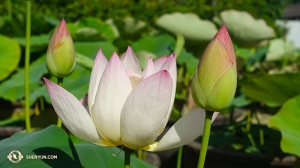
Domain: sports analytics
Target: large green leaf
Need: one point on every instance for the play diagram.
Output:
(54, 141)
(90, 49)
(50, 141)
(244, 29)
(272, 89)
(159, 45)
(13, 88)
(287, 122)
(10, 53)
(189, 25)
(91, 155)
(91, 29)
(37, 43)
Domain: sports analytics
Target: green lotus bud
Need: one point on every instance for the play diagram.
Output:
(60, 58)
(214, 83)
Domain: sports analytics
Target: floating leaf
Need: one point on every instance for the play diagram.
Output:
(10, 53)
(244, 29)
(189, 25)
(287, 122)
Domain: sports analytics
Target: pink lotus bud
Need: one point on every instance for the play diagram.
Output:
(61, 59)
(214, 84)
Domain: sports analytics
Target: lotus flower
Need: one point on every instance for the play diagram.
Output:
(60, 58)
(127, 106)
(214, 84)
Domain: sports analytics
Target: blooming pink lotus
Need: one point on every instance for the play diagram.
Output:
(127, 106)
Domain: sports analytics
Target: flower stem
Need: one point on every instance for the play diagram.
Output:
(179, 157)
(27, 61)
(179, 44)
(205, 138)
(127, 157)
(60, 83)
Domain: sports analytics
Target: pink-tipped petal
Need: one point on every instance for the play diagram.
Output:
(72, 113)
(112, 92)
(170, 66)
(149, 70)
(159, 62)
(59, 33)
(130, 61)
(145, 111)
(97, 71)
(185, 130)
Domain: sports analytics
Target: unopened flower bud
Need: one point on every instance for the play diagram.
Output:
(60, 58)
(215, 80)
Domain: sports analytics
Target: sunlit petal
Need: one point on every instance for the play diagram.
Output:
(112, 92)
(159, 62)
(149, 70)
(185, 130)
(130, 61)
(97, 71)
(72, 113)
(145, 110)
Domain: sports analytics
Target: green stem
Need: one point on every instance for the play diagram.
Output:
(179, 44)
(205, 138)
(27, 61)
(179, 157)
(60, 83)
(127, 157)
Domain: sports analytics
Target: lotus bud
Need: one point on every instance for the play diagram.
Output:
(215, 80)
(60, 58)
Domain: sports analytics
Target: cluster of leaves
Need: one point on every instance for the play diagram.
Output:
(105, 9)
(263, 69)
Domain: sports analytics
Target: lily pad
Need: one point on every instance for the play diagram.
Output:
(244, 29)
(189, 25)
(10, 54)
(287, 122)
(280, 48)
(272, 89)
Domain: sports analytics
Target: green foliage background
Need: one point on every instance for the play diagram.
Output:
(147, 10)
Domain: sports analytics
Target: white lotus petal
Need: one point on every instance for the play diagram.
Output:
(149, 70)
(185, 130)
(72, 113)
(97, 71)
(145, 110)
(130, 61)
(112, 92)
(170, 66)
(159, 62)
